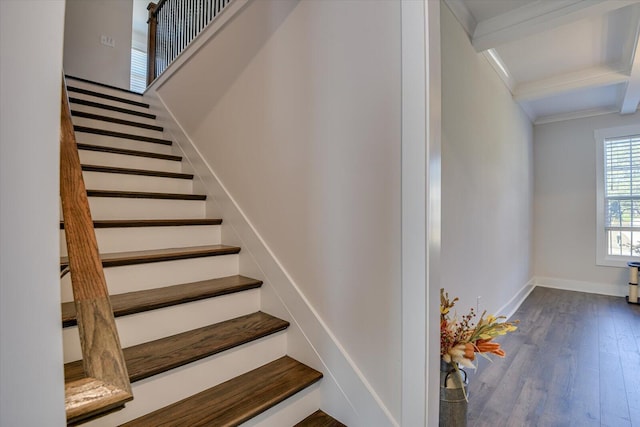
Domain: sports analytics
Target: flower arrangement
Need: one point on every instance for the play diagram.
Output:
(460, 339)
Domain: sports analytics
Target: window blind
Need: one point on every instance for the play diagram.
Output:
(138, 70)
(622, 195)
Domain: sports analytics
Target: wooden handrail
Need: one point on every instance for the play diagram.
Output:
(106, 385)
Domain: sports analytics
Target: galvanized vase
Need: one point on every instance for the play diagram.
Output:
(453, 393)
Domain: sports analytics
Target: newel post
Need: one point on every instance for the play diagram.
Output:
(151, 43)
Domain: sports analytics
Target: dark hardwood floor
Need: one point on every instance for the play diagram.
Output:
(574, 361)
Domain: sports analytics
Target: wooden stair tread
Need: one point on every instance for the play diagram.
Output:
(100, 117)
(121, 135)
(127, 152)
(144, 195)
(105, 96)
(67, 76)
(152, 358)
(140, 301)
(237, 400)
(319, 419)
(140, 172)
(128, 223)
(159, 255)
(111, 108)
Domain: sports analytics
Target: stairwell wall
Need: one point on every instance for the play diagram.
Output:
(302, 128)
(31, 374)
(86, 21)
(487, 181)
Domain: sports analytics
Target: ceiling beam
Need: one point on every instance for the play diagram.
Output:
(593, 77)
(537, 17)
(632, 95)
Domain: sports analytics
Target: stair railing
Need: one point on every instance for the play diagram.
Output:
(106, 385)
(173, 24)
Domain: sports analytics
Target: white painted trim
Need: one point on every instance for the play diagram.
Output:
(516, 301)
(613, 289)
(414, 215)
(602, 258)
(434, 198)
(632, 93)
(575, 115)
(341, 373)
(463, 15)
(590, 78)
(500, 68)
(536, 17)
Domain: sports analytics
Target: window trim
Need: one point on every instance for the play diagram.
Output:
(602, 258)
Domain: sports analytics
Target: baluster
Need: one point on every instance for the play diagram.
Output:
(187, 22)
(182, 8)
(198, 16)
(203, 15)
(179, 28)
(193, 20)
(170, 30)
(165, 34)
(175, 31)
(177, 23)
(159, 42)
(170, 33)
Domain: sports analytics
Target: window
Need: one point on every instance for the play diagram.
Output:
(618, 195)
(138, 70)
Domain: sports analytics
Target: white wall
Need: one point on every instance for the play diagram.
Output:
(31, 376)
(84, 56)
(302, 125)
(565, 206)
(487, 179)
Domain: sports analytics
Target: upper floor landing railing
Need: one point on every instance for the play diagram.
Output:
(173, 24)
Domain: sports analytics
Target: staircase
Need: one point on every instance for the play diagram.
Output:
(198, 350)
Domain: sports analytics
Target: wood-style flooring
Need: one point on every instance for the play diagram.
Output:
(574, 361)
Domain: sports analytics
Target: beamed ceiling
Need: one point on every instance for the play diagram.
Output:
(560, 59)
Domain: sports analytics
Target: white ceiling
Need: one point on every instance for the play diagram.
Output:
(560, 59)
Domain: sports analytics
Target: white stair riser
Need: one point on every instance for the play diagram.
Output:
(88, 157)
(291, 411)
(127, 144)
(138, 277)
(126, 208)
(155, 324)
(162, 390)
(146, 238)
(127, 182)
(101, 100)
(111, 113)
(101, 89)
(116, 127)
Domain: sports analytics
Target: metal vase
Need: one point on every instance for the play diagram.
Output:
(453, 393)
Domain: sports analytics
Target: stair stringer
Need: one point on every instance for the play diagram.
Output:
(345, 391)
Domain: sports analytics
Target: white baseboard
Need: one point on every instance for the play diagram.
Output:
(346, 393)
(618, 290)
(514, 303)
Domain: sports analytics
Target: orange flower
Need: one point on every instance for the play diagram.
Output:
(469, 351)
(486, 346)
